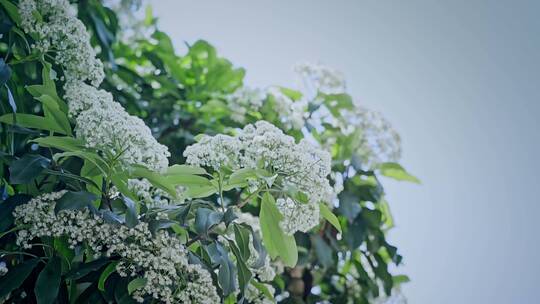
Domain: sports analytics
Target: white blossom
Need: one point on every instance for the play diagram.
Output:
(316, 78)
(379, 142)
(297, 217)
(292, 113)
(104, 124)
(244, 100)
(159, 258)
(301, 165)
(100, 121)
(59, 31)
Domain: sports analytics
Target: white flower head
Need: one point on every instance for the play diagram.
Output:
(301, 165)
(60, 31)
(316, 78)
(160, 259)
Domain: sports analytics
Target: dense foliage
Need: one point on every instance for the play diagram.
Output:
(133, 174)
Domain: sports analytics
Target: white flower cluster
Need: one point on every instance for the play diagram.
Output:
(101, 122)
(131, 19)
(58, 30)
(292, 113)
(104, 124)
(301, 165)
(244, 100)
(159, 259)
(379, 142)
(297, 217)
(316, 78)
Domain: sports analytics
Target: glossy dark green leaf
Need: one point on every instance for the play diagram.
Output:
(324, 252)
(16, 276)
(12, 11)
(85, 268)
(7, 207)
(205, 219)
(244, 274)
(48, 281)
(5, 72)
(242, 237)
(105, 274)
(27, 168)
(227, 271)
(75, 201)
(229, 216)
(131, 215)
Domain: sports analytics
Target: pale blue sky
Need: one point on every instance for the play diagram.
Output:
(459, 80)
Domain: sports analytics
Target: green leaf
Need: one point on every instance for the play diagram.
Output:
(188, 180)
(120, 181)
(229, 216)
(329, 216)
(292, 94)
(32, 121)
(75, 201)
(48, 282)
(86, 268)
(185, 169)
(277, 243)
(227, 270)
(27, 168)
(131, 212)
(244, 275)
(397, 172)
(241, 235)
(52, 111)
(263, 289)
(63, 143)
(200, 191)
(400, 279)
(157, 180)
(136, 284)
(105, 274)
(6, 210)
(206, 219)
(5, 72)
(16, 276)
(323, 251)
(240, 177)
(12, 11)
(91, 157)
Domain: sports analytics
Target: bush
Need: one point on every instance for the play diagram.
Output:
(132, 173)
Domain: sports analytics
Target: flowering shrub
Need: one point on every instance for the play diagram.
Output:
(133, 174)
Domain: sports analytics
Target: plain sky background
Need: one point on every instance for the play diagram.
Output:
(459, 80)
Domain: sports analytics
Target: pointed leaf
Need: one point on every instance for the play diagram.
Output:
(48, 281)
